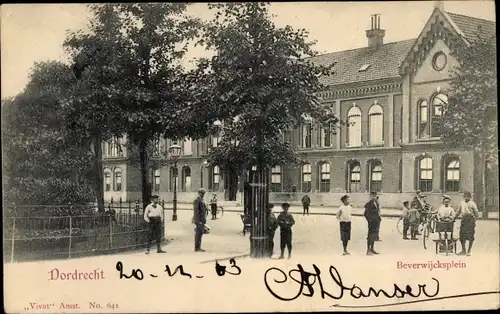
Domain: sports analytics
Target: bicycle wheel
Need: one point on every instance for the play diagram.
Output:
(400, 225)
(425, 236)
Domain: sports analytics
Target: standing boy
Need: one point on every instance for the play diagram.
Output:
(406, 219)
(153, 214)
(271, 229)
(285, 221)
(306, 201)
(469, 212)
(344, 216)
(213, 206)
(372, 215)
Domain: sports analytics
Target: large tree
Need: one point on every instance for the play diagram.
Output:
(141, 74)
(94, 105)
(470, 116)
(263, 84)
(42, 164)
(263, 77)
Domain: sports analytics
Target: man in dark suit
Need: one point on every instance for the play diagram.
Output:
(199, 219)
(372, 215)
(419, 200)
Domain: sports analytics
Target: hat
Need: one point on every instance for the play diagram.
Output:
(467, 194)
(201, 191)
(269, 206)
(445, 197)
(154, 197)
(418, 191)
(285, 205)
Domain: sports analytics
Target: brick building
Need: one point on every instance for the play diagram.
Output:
(393, 95)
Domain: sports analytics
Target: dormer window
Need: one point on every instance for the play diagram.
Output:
(364, 67)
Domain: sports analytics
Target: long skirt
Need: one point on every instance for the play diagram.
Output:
(467, 228)
(345, 231)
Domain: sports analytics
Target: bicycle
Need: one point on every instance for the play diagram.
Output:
(427, 226)
(220, 211)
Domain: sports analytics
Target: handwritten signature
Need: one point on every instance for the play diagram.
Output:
(307, 280)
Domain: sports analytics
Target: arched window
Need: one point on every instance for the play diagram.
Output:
(325, 137)
(276, 185)
(216, 140)
(215, 178)
(186, 179)
(375, 181)
(155, 182)
(423, 119)
(438, 103)
(118, 179)
(376, 125)
(354, 127)
(452, 175)
(107, 179)
(174, 178)
(188, 146)
(306, 178)
(113, 148)
(354, 177)
(157, 146)
(307, 135)
(425, 174)
(324, 177)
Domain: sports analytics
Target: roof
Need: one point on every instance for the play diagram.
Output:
(471, 26)
(384, 62)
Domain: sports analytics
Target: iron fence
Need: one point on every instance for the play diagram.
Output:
(52, 237)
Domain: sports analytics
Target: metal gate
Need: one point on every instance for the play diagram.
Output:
(256, 198)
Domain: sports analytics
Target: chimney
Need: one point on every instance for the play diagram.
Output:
(375, 35)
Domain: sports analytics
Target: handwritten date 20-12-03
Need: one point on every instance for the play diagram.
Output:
(138, 274)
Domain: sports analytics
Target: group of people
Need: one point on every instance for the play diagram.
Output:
(415, 213)
(372, 216)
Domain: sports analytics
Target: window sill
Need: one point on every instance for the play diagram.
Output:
(375, 145)
(430, 139)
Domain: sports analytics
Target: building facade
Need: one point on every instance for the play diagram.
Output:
(391, 94)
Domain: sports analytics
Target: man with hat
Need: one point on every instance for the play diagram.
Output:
(153, 214)
(199, 219)
(285, 221)
(372, 215)
(272, 225)
(469, 212)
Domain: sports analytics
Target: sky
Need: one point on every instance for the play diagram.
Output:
(35, 32)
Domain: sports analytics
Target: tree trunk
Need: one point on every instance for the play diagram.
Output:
(98, 179)
(143, 160)
(482, 167)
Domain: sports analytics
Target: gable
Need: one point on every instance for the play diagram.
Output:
(438, 64)
(438, 27)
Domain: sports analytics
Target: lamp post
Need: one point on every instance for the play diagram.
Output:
(175, 151)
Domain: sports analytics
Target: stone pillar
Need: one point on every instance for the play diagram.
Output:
(364, 176)
(436, 173)
(314, 177)
(405, 138)
(390, 115)
(337, 136)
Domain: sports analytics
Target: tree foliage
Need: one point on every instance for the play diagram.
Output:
(42, 163)
(132, 64)
(262, 75)
(470, 117)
